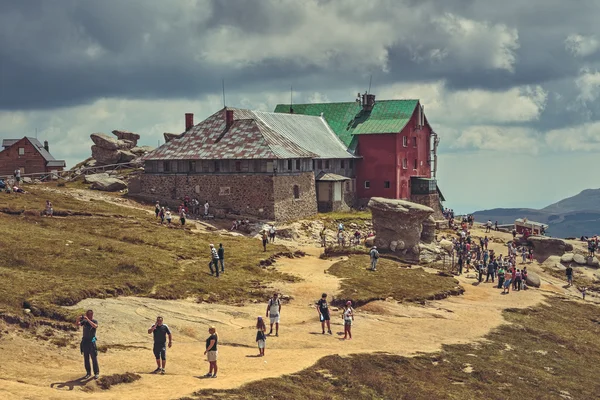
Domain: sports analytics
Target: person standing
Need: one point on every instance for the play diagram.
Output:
(273, 313)
(348, 317)
(168, 216)
(18, 176)
(157, 209)
(324, 317)
(182, 216)
(265, 239)
(374, 254)
(49, 209)
(160, 332)
(221, 254)
(272, 233)
(88, 343)
(323, 238)
(214, 260)
(569, 272)
(261, 338)
(211, 352)
(490, 272)
(206, 209)
(161, 215)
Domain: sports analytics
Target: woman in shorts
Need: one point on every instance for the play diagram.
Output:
(211, 352)
(348, 317)
(507, 282)
(261, 338)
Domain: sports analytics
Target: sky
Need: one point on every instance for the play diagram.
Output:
(512, 88)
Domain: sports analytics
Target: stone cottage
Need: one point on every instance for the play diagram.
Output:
(253, 163)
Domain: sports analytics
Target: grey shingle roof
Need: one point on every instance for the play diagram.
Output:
(9, 142)
(254, 135)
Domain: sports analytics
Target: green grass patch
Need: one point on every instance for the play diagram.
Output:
(547, 352)
(346, 217)
(46, 263)
(391, 279)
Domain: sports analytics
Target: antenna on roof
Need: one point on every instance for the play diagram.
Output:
(291, 99)
(36, 133)
(223, 84)
(370, 80)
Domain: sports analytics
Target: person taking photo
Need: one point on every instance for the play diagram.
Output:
(160, 332)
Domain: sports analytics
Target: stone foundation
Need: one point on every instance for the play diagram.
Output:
(430, 200)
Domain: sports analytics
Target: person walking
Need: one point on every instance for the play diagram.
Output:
(501, 273)
(214, 260)
(211, 352)
(273, 313)
(157, 209)
(182, 216)
(168, 216)
(221, 254)
(261, 338)
(348, 317)
(160, 332)
(272, 233)
(324, 317)
(265, 239)
(569, 272)
(88, 343)
(507, 282)
(206, 206)
(374, 254)
(161, 215)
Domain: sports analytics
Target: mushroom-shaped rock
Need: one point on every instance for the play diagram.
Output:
(399, 221)
(126, 135)
(104, 141)
(428, 233)
(104, 156)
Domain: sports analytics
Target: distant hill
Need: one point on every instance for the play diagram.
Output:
(571, 217)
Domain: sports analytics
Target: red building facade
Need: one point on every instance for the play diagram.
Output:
(28, 155)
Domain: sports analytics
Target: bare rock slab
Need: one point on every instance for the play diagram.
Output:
(126, 135)
(109, 185)
(104, 141)
(399, 222)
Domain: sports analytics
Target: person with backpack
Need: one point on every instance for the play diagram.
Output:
(273, 312)
(374, 254)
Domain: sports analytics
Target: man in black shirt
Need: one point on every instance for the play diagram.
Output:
(323, 309)
(221, 253)
(88, 342)
(160, 331)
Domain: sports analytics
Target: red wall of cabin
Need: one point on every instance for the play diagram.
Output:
(32, 161)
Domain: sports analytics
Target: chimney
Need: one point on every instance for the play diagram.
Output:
(368, 101)
(46, 146)
(228, 119)
(189, 121)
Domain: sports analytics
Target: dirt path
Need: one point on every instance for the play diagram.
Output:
(35, 369)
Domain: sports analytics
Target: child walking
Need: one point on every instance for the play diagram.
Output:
(261, 338)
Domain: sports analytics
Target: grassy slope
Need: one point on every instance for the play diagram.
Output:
(391, 280)
(48, 262)
(545, 350)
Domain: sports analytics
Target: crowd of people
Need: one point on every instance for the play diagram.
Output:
(161, 333)
(188, 208)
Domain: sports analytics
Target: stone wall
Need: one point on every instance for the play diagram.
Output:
(430, 200)
(264, 196)
(286, 206)
(226, 193)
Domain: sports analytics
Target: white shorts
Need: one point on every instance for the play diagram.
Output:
(261, 344)
(274, 319)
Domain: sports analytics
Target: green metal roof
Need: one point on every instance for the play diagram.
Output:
(349, 119)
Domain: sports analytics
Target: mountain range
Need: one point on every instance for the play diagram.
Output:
(571, 217)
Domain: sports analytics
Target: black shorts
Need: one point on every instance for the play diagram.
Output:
(325, 316)
(160, 351)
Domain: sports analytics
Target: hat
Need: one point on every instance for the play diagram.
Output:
(348, 303)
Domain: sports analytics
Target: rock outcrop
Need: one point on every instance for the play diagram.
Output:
(544, 247)
(533, 279)
(579, 259)
(122, 149)
(399, 225)
(92, 178)
(428, 233)
(109, 185)
(566, 258)
(593, 262)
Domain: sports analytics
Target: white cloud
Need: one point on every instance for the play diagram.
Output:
(582, 46)
(498, 139)
(578, 138)
(588, 83)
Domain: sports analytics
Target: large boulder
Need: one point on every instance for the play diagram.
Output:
(447, 245)
(428, 233)
(104, 141)
(593, 262)
(126, 156)
(140, 150)
(109, 185)
(104, 156)
(533, 279)
(95, 177)
(125, 144)
(126, 135)
(399, 221)
(566, 258)
(429, 252)
(579, 259)
(544, 247)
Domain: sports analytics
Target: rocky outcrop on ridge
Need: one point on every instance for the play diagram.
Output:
(121, 149)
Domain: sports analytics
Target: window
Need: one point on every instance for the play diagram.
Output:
(217, 166)
(320, 164)
(342, 164)
(386, 184)
(367, 184)
(404, 163)
(238, 166)
(351, 164)
(289, 165)
(404, 141)
(166, 166)
(298, 165)
(296, 191)
(192, 166)
(326, 164)
(314, 164)
(21, 151)
(414, 141)
(415, 164)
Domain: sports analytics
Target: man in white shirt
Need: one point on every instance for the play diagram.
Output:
(273, 312)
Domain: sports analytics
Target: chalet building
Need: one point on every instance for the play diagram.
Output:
(28, 155)
(396, 146)
(270, 165)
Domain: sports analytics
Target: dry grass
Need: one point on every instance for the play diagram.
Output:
(391, 279)
(105, 382)
(46, 263)
(547, 352)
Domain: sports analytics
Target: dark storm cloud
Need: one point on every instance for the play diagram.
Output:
(55, 54)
